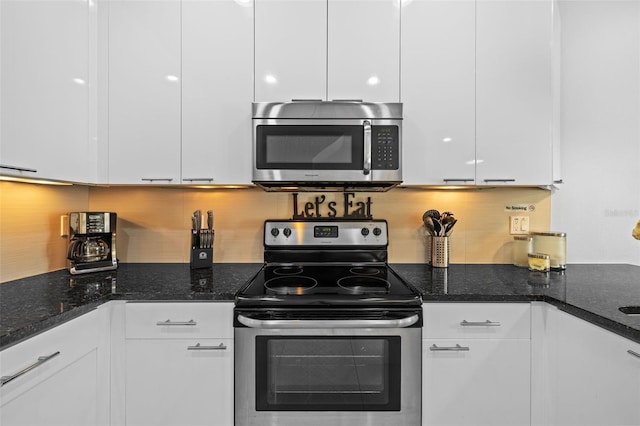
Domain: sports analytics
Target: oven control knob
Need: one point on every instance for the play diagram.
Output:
(275, 232)
(377, 231)
(287, 232)
(364, 232)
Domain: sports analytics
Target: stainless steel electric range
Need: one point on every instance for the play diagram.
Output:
(326, 332)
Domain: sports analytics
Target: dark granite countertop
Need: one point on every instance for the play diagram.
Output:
(593, 292)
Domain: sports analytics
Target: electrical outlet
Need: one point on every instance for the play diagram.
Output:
(518, 225)
(64, 225)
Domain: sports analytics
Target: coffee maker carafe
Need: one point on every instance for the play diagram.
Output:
(92, 242)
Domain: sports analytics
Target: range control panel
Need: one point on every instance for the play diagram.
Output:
(292, 233)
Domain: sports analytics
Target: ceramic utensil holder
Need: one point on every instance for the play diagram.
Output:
(439, 252)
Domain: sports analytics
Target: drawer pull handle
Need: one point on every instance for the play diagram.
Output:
(157, 180)
(198, 347)
(456, 348)
(41, 360)
(486, 323)
(179, 323)
(633, 353)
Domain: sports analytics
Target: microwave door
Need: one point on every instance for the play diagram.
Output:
(314, 152)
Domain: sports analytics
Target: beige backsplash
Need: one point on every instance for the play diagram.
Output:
(154, 223)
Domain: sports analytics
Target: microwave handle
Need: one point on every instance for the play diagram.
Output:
(367, 147)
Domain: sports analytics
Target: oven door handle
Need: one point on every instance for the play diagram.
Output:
(395, 323)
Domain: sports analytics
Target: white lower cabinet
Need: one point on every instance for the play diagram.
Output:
(68, 383)
(593, 376)
(476, 364)
(178, 364)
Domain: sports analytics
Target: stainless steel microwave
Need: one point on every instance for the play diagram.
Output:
(318, 145)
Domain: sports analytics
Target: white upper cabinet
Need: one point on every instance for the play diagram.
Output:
(327, 50)
(144, 91)
(217, 90)
(477, 89)
(45, 84)
(514, 97)
(438, 92)
(290, 50)
(364, 50)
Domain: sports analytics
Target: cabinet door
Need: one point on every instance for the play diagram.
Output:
(514, 104)
(438, 92)
(144, 91)
(364, 50)
(45, 83)
(169, 384)
(597, 379)
(217, 80)
(69, 384)
(488, 384)
(290, 50)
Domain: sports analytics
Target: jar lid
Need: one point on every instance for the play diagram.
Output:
(538, 256)
(522, 238)
(550, 234)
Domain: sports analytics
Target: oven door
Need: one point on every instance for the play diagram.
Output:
(353, 372)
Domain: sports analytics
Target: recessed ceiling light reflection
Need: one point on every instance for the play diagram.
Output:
(476, 161)
(373, 80)
(270, 79)
(79, 81)
(446, 140)
(171, 78)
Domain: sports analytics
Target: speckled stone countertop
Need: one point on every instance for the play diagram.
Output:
(593, 292)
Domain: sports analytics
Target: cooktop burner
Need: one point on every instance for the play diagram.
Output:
(364, 270)
(364, 285)
(295, 285)
(287, 270)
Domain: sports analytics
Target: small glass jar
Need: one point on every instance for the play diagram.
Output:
(554, 244)
(538, 262)
(521, 248)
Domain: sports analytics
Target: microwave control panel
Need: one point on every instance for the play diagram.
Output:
(385, 152)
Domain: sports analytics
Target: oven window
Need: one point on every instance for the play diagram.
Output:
(330, 147)
(311, 373)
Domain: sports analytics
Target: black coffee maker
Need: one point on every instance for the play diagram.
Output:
(92, 242)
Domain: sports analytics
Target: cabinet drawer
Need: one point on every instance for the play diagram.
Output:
(179, 320)
(477, 320)
(39, 358)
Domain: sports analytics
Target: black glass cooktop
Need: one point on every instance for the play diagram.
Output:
(327, 284)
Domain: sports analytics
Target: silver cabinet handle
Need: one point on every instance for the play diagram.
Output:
(486, 323)
(198, 179)
(367, 147)
(399, 323)
(456, 348)
(41, 360)
(157, 179)
(20, 169)
(199, 347)
(633, 353)
(499, 180)
(179, 323)
(447, 180)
